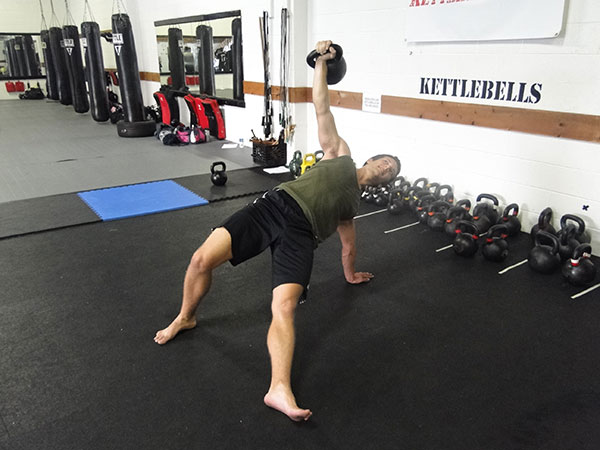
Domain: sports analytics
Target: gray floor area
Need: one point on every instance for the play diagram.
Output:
(48, 149)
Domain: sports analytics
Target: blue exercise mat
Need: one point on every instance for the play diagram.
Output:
(140, 199)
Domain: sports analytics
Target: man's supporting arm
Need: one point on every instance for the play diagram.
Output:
(347, 234)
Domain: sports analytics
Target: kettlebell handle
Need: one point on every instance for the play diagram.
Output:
(547, 237)
(545, 217)
(464, 203)
(579, 251)
(311, 59)
(512, 207)
(578, 220)
(215, 164)
(497, 231)
(491, 197)
(464, 226)
(421, 180)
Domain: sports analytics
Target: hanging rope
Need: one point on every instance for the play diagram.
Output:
(44, 25)
(68, 17)
(87, 9)
(119, 3)
(53, 20)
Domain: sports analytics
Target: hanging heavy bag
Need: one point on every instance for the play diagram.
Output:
(60, 65)
(94, 71)
(579, 270)
(134, 124)
(72, 50)
(544, 258)
(495, 247)
(49, 64)
(336, 67)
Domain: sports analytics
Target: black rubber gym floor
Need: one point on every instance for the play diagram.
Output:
(436, 352)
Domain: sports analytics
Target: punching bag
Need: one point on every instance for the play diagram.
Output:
(127, 68)
(176, 64)
(75, 71)
(134, 124)
(206, 69)
(12, 59)
(236, 56)
(31, 62)
(94, 71)
(49, 64)
(20, 56)
(60, 65)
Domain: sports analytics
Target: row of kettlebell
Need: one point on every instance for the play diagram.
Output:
(300, 164)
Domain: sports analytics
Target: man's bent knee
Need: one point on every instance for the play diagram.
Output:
(215, 251)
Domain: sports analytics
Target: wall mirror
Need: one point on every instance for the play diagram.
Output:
(21, 56)
(204, 54)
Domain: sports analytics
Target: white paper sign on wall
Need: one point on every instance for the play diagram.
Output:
(371, 103)
(479, 20)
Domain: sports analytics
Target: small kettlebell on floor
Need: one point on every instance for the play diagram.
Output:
(219, 176)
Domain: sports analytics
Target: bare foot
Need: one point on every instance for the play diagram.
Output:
(283, 400)
(164, 336)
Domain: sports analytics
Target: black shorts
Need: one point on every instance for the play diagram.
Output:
(274, 220)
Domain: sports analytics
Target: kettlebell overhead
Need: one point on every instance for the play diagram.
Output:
(336, 67)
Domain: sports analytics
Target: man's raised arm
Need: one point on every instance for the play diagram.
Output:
(331, 143)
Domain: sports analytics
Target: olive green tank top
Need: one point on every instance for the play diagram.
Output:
(328, 193)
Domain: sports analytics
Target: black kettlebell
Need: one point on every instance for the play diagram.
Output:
(567, 242)
(296, 164)
(444, 192)
(495, 247)
(218, 177)
(466, 204)
(543, 224)
(423, 205)
(466, 239)
(437, 215)
(319, 155)
(510, 219)
(420, 183)
(580, 270)
(580, 234)
(453, 215)
(544, 258)
(336, 67)
(396, 198)
(485, 214)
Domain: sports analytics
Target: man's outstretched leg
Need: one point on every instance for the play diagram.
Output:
(214, 252)
(281, 340)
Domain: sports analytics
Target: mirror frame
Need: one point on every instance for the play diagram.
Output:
(204, 18)
(40, 56)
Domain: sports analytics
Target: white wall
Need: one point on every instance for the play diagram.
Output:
(534, 171)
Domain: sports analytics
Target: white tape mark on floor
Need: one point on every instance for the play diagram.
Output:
(443, 248)
(513, 266)
(402, 228)
(587, 291)
(370, 214)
